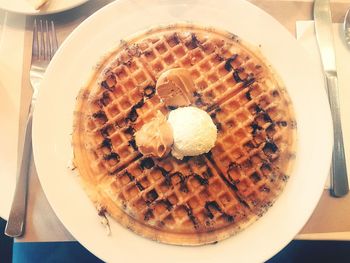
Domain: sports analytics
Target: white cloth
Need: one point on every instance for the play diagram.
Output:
(306, 36)
(12, 29)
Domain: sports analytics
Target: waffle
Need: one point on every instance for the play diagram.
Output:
(197, 200)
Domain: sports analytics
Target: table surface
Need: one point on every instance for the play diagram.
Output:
(331, 218)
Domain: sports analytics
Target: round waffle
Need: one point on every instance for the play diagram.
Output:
(197, 200)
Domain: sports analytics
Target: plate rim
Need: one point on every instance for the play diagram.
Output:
(46, 12)
(85, 23)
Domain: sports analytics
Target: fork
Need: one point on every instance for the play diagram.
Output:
(44, 47)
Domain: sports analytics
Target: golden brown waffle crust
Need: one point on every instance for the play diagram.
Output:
(227, 189)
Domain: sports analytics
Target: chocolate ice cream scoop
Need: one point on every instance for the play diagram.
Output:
(175, 87)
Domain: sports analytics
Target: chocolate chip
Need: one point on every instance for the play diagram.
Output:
(105, 98)
(194, 42)
(152, 195)
(104, 131)
(172, 107)
(139, 186)
(133, 115)
(147, 163)
(228, 65)
(282, 123)
(105, 85)
(112, 156)
(149, 91)
(255, 128)
(106, 143)
(139, 104)
(249, 81)
(130, 130)
(267, 117)
(255, 177)
(132, 143)
(101, 115)
(236, 76)
(248, 95)
(214, 205)
(148, 215)
(201, 180)
(191, 216)
(270, 147)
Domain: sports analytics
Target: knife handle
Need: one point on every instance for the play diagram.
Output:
(15, 223)
(339, 178)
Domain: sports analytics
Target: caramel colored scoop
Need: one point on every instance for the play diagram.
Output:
(175, 87)
(155, 138)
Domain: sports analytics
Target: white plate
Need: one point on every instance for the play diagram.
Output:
(70, 70)
(26, 6)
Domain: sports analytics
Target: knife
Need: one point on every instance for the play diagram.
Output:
(324, 35)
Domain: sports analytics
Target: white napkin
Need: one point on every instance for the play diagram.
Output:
(12, 29)
(306, 36)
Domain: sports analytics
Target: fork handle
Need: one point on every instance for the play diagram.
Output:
(339, 177)
(15, 223)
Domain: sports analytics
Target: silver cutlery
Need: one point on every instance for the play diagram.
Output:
(346, 25)
(324, 34)
(44, 47)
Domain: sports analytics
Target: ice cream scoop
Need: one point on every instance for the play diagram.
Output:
(155, 138)
(193, 130)
(175, 87)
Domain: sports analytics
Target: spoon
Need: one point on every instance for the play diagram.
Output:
(347, 27)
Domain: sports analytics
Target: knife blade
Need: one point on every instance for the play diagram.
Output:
(324, 35)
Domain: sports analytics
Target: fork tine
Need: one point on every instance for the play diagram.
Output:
(47, 41)
(35, 48)
(42, 50)
(54, 42)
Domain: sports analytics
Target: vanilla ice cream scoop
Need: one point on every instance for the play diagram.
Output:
(193, 130)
